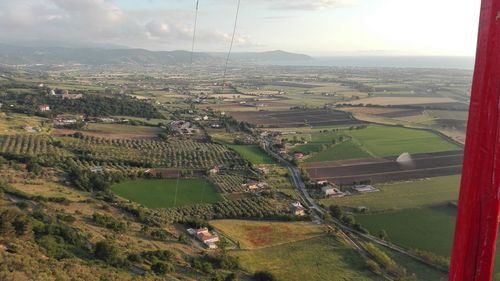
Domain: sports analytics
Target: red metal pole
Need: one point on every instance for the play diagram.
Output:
(479, 202)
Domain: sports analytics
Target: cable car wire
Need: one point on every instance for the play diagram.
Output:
(230, 46)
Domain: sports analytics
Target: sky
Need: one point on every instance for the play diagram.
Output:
(314, 27)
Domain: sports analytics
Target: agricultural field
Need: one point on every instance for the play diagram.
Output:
(403, 195)
(409, 100)
(342, 151)
(171, 154)
(11, 124)
(429, 228)
(252, 153)
(228, 183)
(387, 169)
(168, 192)
(384, 141)
(369, 141)
(321, 258)
(295, 118)
(261, 234)
(114, 131)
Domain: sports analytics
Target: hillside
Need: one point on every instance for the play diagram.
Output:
(18, 55)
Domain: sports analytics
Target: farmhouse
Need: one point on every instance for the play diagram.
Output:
(214, 170)
(297, 209)
(365, 188)
(330, 191)
(299, 155)
(44, 107)
(252, 186)
(183, 127)
(204, 235)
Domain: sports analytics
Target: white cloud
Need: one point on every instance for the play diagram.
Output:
(100, 22)
(307, 5)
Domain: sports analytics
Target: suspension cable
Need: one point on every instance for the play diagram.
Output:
(194, 31)
(230, 46)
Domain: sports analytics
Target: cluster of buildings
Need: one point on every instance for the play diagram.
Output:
(329, 190)
(184, 127)
(66, 120)
(254, 186)
(65, 95)
(205, 236)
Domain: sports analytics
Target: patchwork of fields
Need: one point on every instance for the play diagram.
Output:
(387, 169)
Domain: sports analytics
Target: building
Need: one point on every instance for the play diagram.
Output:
(330, 191)
(44, 107)
(299, 155)
(365, 188)
(297, 209)
(214, 171)
(204, 235)
(253, 186)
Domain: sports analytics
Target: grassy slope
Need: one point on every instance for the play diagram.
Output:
(404, 195)
(320, 258)
(253, 153)
(161, 193)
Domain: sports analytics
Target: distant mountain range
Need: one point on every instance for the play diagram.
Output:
(16, 55)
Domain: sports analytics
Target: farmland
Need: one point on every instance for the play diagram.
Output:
(261, 234)
(388, 169)
(295, 118)
(342, 151)
(390, 141)
(115, 131)
(252, 153)
(168, 193)
(322, 258)
(404, 195)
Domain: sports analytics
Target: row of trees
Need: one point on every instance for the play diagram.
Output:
(255, 207)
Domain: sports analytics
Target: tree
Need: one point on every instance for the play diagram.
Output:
(336, 211)
(106, 251)
(162, 268)
(264, 276)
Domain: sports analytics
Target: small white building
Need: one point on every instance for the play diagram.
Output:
(330, 191)
(44, 107)
(365, 188)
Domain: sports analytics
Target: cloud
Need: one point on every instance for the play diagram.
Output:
(101, 22)
(306, 5)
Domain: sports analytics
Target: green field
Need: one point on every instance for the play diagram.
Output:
(372, 141)
(320, 258)
(252, 153)
(429, 229)
(342, 151)
(404, 195)
(385, 141)
(162, 193)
